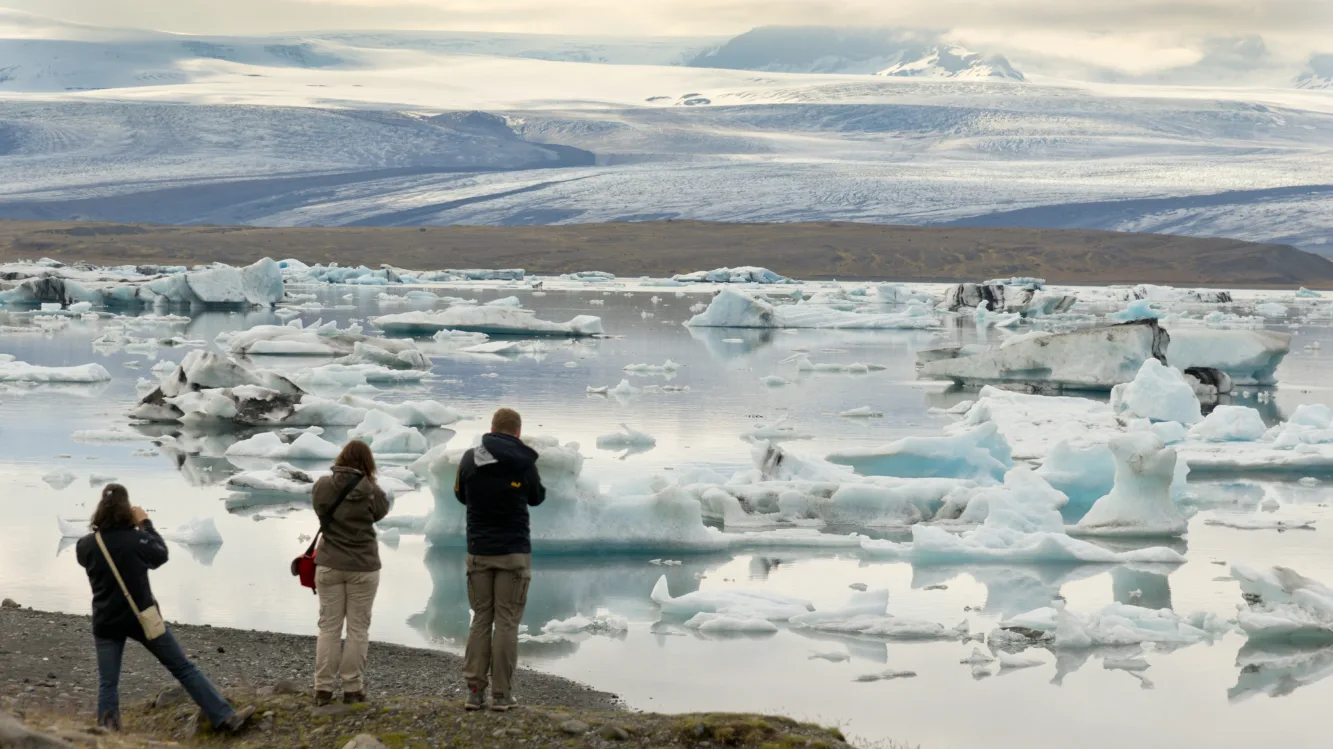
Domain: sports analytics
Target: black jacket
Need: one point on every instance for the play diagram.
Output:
(499, 482)
(136, 551)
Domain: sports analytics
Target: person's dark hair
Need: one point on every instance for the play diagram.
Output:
(356, 454)
(506, 421)
(114, 510)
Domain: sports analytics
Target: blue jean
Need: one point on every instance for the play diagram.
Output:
(169, 653)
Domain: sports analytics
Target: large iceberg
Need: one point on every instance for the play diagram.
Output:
(259, 284)
(732, 308)
(497, 321)
(1140, 502)
(1092, 359)
(1248, 357)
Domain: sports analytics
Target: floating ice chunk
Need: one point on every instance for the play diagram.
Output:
(489, 320)
(1140, 503)
(201, 531)
(626, 438)
(1125, 663)
(623, 390)
(1271, 309)
(17, 371)
(1017, 661)
(774, 381)
(59, 479)
(1120, 625)
(669, 366)
(1261, 523)
(1084, 473)
(1159, 393)
(754, 604)
(1230, 424)
(862, 412)
(864, 614)
(282, 478)
(97, 479)
(72, 528)
(1248, 357)
(832, 656)
(1304, 293)
(385, 434)
(600, 624)
(978, 658)
(732, 308)
(505, 347)
(744, 274)
(270, 446)
(705, 622)
(803, 364)
(980, 453)
(602, 390)
(78, 308)
(886, 676)
(1282, 604)
(1139, 309)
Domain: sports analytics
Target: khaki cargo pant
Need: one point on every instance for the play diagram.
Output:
(349, 597)
(497, 589)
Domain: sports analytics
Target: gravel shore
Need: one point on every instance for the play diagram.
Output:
(47, 660)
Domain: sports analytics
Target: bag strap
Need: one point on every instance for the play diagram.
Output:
(102, 545)
(324, 520)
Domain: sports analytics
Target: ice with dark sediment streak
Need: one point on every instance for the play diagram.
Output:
(495, 321)
(732, 308)
(1283, 605)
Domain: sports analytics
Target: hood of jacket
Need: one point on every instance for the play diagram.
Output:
(505, 450)
(343, 475)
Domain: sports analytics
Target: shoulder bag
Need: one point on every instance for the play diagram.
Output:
(303, 567)
(150, 618)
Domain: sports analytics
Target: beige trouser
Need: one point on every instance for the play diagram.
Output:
(343, 596)
(497, 589)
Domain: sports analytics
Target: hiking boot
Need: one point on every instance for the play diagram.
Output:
(503, 703)
(352, 698)
(323, 698)
(476, 700)
(236, 723)
(110, 721)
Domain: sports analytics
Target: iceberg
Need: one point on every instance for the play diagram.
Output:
(1281, 604)
(1248, 357)
(864, 614)
(755, 604)
(1092, 359)
(705, 622)
(626, 438)
(1119, 625)
(1158, 393)
(200, 531)
(496, 321)
(732, 308)
(1083, 472)
(980, 453)
(270, 446)
(385, 434)
(1230, 424)
(577, 515)
(17, 371)
(1139, 503)
(744, 274)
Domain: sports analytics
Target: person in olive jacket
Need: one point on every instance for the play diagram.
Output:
(347, 570)
(498, 481)
(135, 547)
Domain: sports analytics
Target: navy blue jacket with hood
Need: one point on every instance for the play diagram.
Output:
(498, 482)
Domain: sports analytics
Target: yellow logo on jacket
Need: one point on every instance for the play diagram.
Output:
(516, 484)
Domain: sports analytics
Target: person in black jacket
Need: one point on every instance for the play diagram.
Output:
(135, 546)
(498, 482)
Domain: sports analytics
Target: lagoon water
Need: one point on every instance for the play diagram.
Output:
(1202, 695)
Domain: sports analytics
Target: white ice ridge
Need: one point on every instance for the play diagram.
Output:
(1120, 625)
(732, 308)
(320, 339)
(260, 284)
(1140, 502)
(489, 320)
(751, 604)
(17, 371)
(864, 614)
(1281, 604)
(1022, 525)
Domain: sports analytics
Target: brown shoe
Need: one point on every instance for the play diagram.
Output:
(352, 698)
(236, 723)
(323, 698)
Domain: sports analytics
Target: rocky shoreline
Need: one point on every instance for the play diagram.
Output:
(48, 695)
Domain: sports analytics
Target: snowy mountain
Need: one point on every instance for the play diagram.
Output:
(1318, 75)
(892, 52)
(953, 61)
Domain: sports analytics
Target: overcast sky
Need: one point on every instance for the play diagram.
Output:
(1166, 30)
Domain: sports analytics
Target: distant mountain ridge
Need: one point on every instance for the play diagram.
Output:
(1318, 74)
(887, 52)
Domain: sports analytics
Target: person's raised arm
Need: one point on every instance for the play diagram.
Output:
(379, 503)
(536, 492)
(152, 549)
(460, 488)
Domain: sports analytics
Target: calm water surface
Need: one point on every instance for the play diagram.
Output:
(1195, 696)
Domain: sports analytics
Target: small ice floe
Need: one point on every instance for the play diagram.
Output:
(1013, 661)
(1283, 605)
(1118, 625)
(774, 381)
(1261, 523)
(832, 656)
(707, 622)
(96, 436)
(978, 658)
(59, 479)
(627, 438)
(72, 528)
(858, 586)
(864, 614)
(744, 604)
(863, 412)
(603, 624)
(885, 676)
(145, 453)
(1309, 481)
(598, 390)
(271, 447)
(98, 479)
(803, 364)
(486, 319)
(1134, 662)
(201, 531)
(12, 370)
(669, 366)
